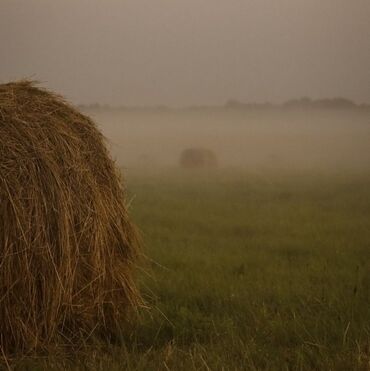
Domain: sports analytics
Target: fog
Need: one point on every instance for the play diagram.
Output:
(258, 140)
(172, 52)
(183, 53)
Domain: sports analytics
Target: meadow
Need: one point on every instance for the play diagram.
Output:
(247, 271)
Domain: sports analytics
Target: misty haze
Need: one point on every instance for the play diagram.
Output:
(262, 139)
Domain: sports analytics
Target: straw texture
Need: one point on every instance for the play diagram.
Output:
(67, 247)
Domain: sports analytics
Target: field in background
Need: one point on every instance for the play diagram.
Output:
(254, 271)
(255, 139)
(262, 264)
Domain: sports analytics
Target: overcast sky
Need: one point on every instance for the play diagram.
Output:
(181, 52)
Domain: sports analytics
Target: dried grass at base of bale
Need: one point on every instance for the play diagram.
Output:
(67, 247)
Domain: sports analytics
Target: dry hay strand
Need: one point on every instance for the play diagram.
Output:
(67, 247)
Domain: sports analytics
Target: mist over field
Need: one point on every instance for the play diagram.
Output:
(277, 139)
(202, 54)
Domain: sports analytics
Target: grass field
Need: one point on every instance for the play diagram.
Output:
(248, 272)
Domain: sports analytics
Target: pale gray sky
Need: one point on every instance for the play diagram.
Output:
(180, 52)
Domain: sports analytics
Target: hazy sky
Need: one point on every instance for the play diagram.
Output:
(181, 52)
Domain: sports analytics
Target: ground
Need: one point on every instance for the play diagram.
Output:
(247, 271)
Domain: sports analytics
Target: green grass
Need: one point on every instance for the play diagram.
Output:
(248, 272)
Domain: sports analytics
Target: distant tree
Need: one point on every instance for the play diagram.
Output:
(339, 103)
(233, 103)
(327, 103)
(304, 102)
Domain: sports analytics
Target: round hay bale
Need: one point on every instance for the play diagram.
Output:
(198, 158)
(67, 247)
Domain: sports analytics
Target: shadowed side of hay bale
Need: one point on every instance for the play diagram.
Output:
(198, 158)
(67, 247)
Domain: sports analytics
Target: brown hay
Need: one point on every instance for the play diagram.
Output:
(198, 158)
(67, 247)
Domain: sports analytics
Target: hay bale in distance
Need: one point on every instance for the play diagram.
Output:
(67, 247)
(198, 158)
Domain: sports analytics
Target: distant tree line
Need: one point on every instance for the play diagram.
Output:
(304, 103)
(301, 103)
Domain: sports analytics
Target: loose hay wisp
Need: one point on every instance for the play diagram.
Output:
(67, 247)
